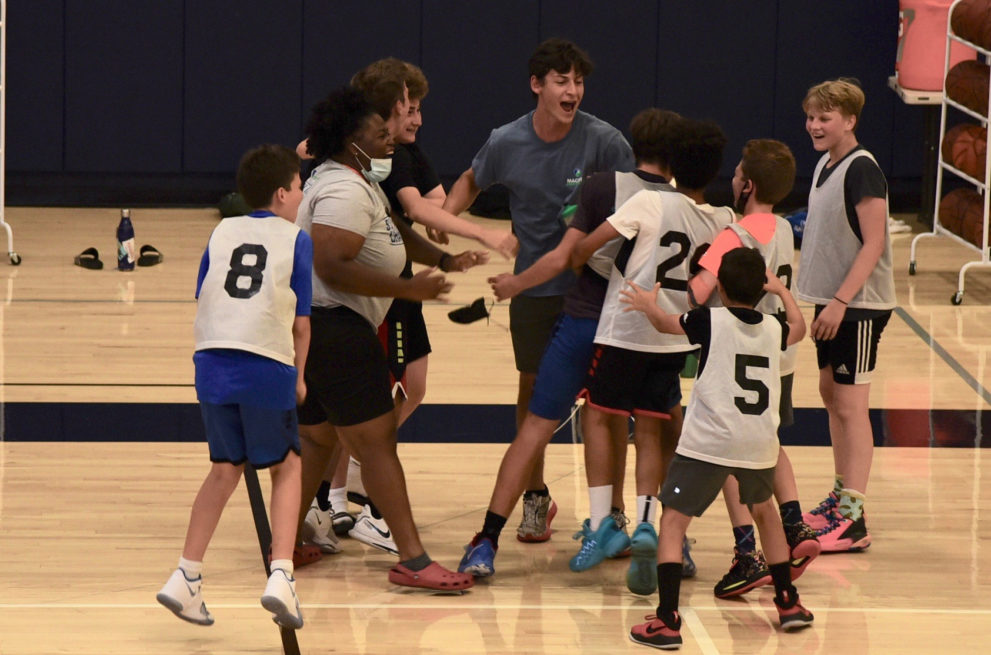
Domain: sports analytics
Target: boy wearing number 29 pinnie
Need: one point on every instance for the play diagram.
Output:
(252, 334)
(730, 428)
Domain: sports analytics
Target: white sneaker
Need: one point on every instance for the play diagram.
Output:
(896, 226)
(342, 522)
(374, 532)
(182, 597)
(280, 599)
(356, 488)
(318, 529)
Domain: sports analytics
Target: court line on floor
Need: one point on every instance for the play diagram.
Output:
(420, 606)
(934, 345)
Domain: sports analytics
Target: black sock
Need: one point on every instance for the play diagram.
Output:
(492, 527)
(668, 588)
(744, 538)
(791, 512)
(784, 591)
(322, 496)
(545, 492)
(374, 510)
(417, 563)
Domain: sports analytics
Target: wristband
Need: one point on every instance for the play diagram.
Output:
(840, 301)
(445, 258)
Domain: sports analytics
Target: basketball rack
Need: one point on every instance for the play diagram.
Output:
(15, 259)
(981, 185)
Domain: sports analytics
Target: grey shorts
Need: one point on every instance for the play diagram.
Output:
(691, 484)
(531, 323)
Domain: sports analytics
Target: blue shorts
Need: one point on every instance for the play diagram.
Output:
(238, 433)
(563, 367)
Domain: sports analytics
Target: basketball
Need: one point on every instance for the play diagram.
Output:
(971, 20)
(965, 147)
(967, 83)
(973, 222)
(954, 205)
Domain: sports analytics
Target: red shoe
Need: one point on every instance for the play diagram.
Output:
(302, 555)
(844, 535)
(803, 546)
(658, 634)
(793, 616)
(434, 577)
(538, 512)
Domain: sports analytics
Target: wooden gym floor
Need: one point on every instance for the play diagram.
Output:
(90, 531)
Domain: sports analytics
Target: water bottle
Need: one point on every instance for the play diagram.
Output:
(125, 242)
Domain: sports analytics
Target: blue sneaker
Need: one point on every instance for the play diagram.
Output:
(641, 578)
(687, 563)
(593, 549)
(479, 559)
(619, 543)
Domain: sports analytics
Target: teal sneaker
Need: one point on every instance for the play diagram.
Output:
(593, 549)
(619, 544)
(641, 578)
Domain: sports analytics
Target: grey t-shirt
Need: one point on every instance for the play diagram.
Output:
(337, 196)
(542, 177)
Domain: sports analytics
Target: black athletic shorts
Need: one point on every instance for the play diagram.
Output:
(403, 334)
(852, 353)
(692, 485)
(347, 376)
(626, 382)
(531, 323)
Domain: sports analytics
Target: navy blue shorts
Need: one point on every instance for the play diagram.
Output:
(260, 435)
(563, 367)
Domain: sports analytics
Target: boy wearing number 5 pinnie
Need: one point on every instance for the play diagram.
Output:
(730, 428)
(252, 335)
(635, 369)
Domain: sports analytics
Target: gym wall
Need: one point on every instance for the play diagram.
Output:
(153, 101)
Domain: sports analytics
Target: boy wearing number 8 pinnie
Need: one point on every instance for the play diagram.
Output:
(730, 428)
(252, 335)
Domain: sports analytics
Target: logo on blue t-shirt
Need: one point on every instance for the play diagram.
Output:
(576, 178)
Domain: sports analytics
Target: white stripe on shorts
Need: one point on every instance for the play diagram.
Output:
(864, 332)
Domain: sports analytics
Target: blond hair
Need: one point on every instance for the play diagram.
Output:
(843, 95)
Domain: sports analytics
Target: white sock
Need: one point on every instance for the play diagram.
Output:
(284, 564)
(338, 499)
(191, 569)
(599, 504)
(646, 509)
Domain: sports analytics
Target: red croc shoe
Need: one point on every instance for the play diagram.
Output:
(302, 555)
(434, 577)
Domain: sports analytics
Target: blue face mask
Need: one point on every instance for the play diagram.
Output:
(379, 168)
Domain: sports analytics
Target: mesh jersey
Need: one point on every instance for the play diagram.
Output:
(732, 416)
(829, 246)
(627, 185)
(779, 253)
(665, 232)
(245, 299)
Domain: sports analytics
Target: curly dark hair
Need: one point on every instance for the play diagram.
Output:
(654, 133)
(698, 154)
(334, 120)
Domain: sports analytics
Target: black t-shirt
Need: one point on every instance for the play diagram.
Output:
(596, 203)
(410, 168)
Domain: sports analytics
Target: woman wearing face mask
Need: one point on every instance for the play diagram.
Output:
(358, 255)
